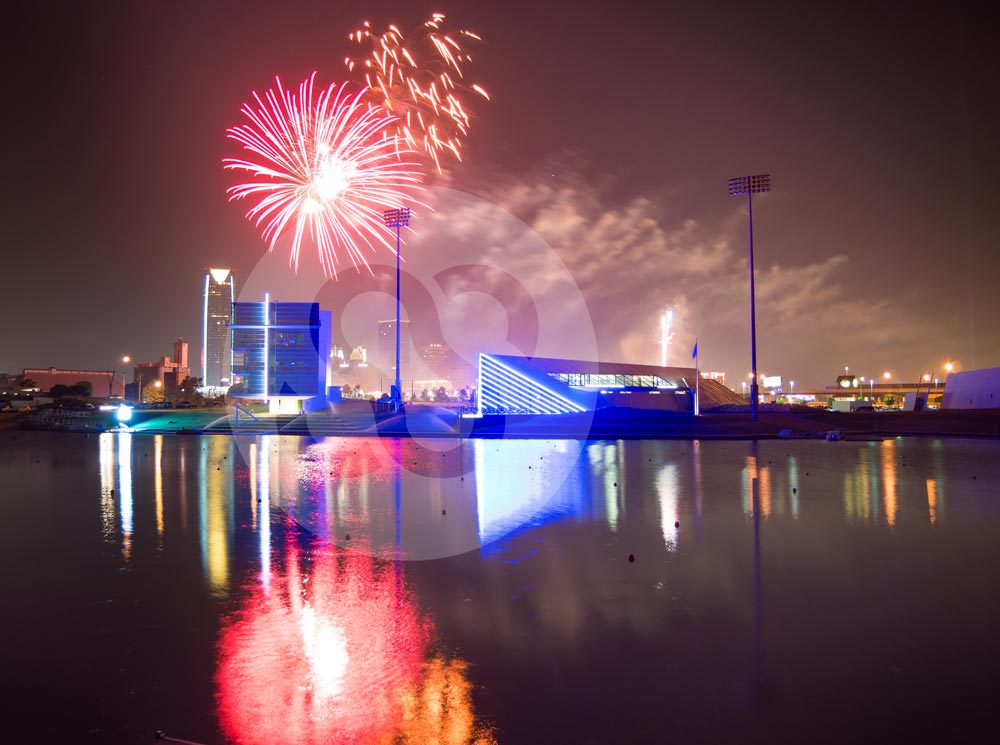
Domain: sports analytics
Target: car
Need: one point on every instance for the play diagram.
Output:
(184, 405)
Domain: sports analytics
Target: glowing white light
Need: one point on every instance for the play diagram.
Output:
(668, 486)
(325, 646)
(666, 333)
(332, 178)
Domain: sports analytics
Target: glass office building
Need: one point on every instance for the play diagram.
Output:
(281, 353)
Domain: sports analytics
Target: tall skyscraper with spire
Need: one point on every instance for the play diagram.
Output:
(217, 345)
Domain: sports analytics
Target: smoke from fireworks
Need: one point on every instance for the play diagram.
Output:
(420, 81)
(326, 164)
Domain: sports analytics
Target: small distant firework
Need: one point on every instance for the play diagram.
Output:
(419, 79)
(327, 164)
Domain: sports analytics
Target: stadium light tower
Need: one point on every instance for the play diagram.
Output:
(398, 219)
(751, 185)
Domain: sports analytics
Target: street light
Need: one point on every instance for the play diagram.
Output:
(792, 384)
(398, 219)
(751, 185)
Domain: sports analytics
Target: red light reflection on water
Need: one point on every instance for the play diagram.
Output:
(334, 650)
(327, 653)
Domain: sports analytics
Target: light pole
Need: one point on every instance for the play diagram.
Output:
(926, 379)
(398, 219)
(792, 384)
(751, 185)
(125, 360)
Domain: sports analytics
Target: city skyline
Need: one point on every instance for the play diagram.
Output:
(874, 250)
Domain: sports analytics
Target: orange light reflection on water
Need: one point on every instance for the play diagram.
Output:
(158, 483)
(932, 500)
(888, 461)
(753, 470)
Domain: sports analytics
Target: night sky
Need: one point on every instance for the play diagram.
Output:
(612, 132)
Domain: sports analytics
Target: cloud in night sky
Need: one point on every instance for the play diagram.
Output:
(630, 263)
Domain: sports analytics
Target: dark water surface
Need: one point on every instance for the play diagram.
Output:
(282, 589)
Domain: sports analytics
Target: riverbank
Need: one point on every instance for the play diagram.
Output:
(434, 421)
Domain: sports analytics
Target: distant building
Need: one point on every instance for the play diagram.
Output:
(972, 389)
(281, 352)
(216, 349)
(354, 371)
(181, 353)
(437, 359)
(718, 377)
(387, 349)
(102, 382)
(169, 371)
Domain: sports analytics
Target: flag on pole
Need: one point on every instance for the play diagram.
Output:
(697, 380)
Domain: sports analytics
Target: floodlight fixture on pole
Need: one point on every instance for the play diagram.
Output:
(739, 186)
(398, 219)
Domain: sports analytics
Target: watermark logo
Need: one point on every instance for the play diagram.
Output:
(423, 485)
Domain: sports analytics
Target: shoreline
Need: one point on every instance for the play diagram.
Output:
(443, 423)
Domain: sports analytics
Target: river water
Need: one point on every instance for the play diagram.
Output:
(285, 589)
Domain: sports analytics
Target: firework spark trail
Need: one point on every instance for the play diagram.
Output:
(327, 164)
(415, 80)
